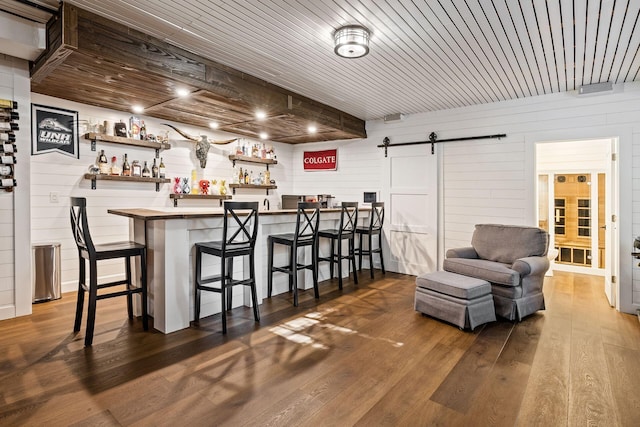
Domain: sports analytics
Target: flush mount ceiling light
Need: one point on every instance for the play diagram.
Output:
(351, 41)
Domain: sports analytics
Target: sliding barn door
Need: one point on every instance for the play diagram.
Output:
(410, 190)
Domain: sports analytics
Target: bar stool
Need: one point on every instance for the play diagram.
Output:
(346, 231)
(374, 228)
(241, 241)
(306, 234)
(94, 253)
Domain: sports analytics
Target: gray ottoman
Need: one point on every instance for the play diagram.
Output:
(462, 300)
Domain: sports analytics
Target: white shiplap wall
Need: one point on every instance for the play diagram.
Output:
(480, 181)
(494, 180)
(54, 174)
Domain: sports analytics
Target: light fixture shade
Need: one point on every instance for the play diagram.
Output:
(351, 41)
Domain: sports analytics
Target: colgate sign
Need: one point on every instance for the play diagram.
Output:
(325, 160)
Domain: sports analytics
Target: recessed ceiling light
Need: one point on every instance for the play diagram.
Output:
(264, 135)
(138, 109)
(261, 115)
(312, 129)
(214, 125)
(182, 92)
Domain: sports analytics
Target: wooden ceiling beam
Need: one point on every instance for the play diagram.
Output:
(132, 54)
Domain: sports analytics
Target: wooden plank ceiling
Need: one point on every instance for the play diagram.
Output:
(425, 55)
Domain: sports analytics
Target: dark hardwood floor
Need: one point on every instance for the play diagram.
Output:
(361, 356)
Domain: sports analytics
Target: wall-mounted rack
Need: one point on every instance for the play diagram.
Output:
(97, 177)
(433, 139)
(98, 137)
(177, 197)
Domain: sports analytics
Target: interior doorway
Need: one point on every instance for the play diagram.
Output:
(577, 194)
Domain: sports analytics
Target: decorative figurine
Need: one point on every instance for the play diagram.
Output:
(202, 144)
(177, 188)
(222, 189)
(204, 186)
(186, 188)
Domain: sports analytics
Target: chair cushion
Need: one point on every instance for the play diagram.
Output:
(507, 243)
(456, 285)
(490, 271)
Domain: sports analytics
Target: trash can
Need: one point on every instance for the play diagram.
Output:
(46, 274)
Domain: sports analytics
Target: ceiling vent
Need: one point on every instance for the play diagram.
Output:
(393, 118)
(597, 88)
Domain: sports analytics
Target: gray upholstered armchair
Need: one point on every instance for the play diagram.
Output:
(512, 259)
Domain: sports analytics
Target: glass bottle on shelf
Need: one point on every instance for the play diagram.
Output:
(136, 170)
(154, 169)
(162, 170)
(115, 169)
(143, 131)
(241, 177)
(146, 173)
(267, 177)
(103, 164)
(251, 178)
(126, 168)
(245, 180)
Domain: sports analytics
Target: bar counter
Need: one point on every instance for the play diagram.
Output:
(170, 235)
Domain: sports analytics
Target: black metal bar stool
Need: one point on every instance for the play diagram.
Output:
(238, 239)
(306, 234)
(345, 231)
(374, 228)
(94, 253)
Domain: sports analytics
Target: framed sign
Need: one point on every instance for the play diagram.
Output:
(54, 130)
(325, 160)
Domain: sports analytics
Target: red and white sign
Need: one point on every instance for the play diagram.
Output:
(325, 160)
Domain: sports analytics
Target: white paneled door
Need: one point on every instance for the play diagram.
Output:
(410, 190)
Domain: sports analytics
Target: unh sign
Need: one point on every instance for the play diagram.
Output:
(325, 160)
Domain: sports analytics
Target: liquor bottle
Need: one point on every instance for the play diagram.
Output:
(9, 115)
(7, 137)
(103, 164)
(146, 173)
(8, 127)
(154, 169)
(241, 177)
(143, 131)
(8, 148)
(136, 170)
(7, 160)
(8, 183)
(251, 181)
(126, 168)
(6, 170)
(115, 169)
(267, 177)
(161, 169)
(246, 177)
(8, 104)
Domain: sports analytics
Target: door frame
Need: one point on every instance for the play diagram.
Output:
(612, 234)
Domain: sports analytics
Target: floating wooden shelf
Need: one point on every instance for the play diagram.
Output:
(176, 197)
(265, 187)
(248, 159)
(99, 137)
(99, 177)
